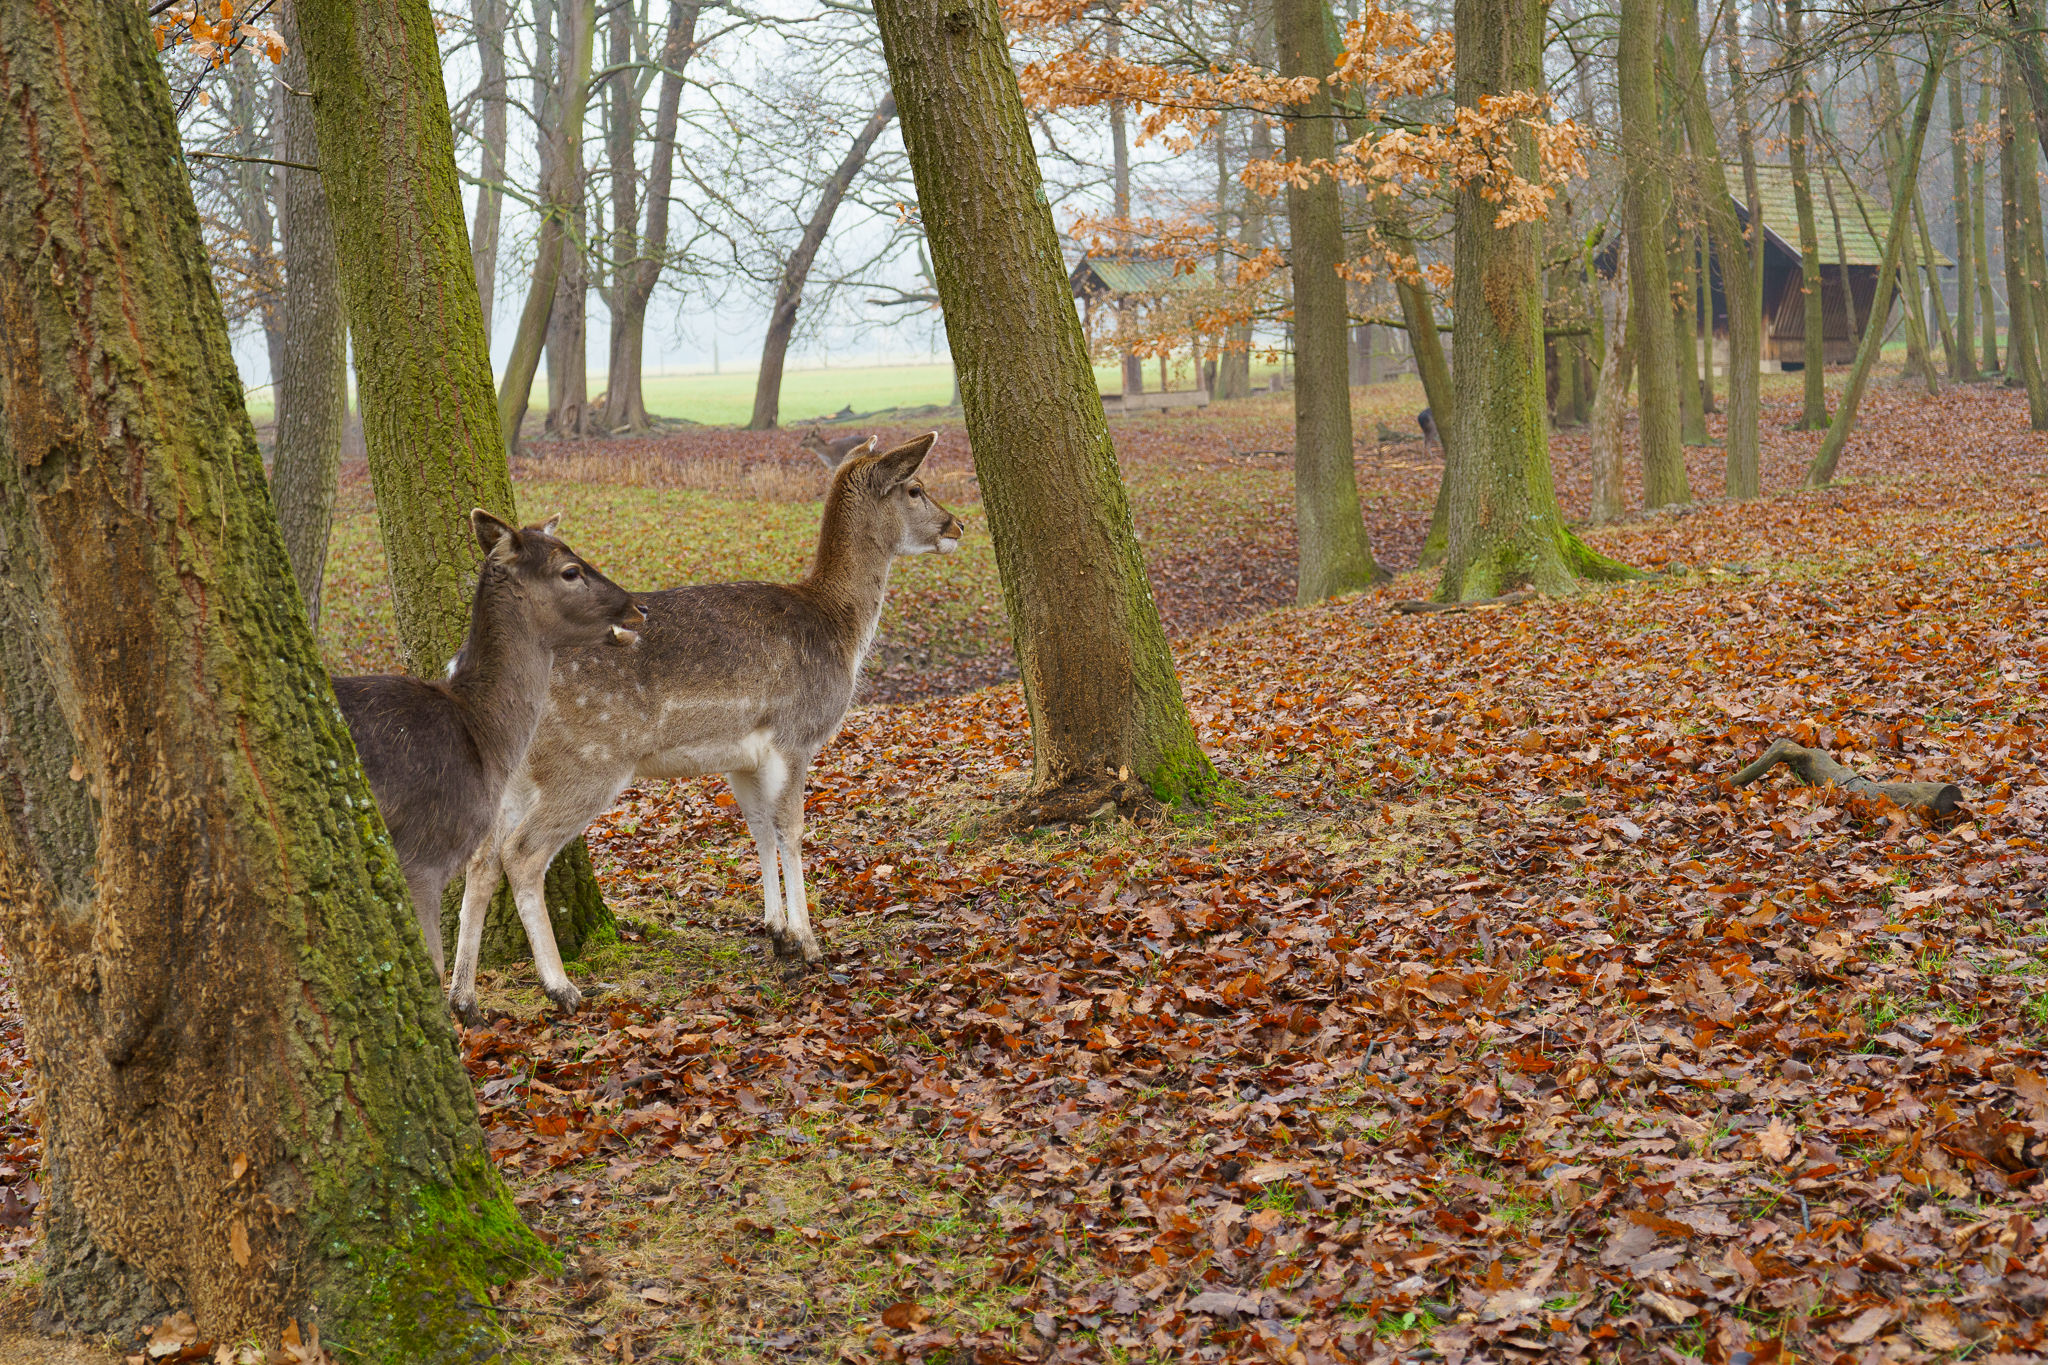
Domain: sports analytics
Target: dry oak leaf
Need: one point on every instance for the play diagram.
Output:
(1222, 1301)
(1865, 1326)
(1669, 1308)
(1509, 1303)
(901, 1317)
(1775, 1141)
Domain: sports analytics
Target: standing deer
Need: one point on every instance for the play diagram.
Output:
(749, 680)
(438, 754)
(831, 453)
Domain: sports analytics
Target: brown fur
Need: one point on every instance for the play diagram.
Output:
(831, 453)
(438, 754)
(746, 679)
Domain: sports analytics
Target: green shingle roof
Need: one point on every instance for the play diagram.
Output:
(1124, 276)
(1863, 223)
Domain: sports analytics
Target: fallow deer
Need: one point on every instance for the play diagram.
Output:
(831, 453)
(749, 680)
(438, 754)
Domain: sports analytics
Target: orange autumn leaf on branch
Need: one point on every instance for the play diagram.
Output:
(214, 32)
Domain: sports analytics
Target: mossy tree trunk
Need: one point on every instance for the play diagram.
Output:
(1738, 275)
(1646, 208)
(1980, 234)
(253, 1106)
(1905, 185)
(789, 292)
(1334, 555)
(489, 16)
(423, 370)
(1504, 528)
(1098, 676)
(2017, 158)
(312, 374)
(1799, 100)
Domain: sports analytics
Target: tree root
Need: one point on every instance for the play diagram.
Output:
(1411, 606)
(1818, 769)
(1077, 800)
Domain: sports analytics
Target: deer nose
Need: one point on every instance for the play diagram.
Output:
(622, 636)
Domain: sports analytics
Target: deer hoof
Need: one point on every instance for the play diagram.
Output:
(468, 1011)
(568, 999)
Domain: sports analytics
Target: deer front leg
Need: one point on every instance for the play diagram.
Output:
(480, 881)
(527, 855)
(789, 841)
(757, 806)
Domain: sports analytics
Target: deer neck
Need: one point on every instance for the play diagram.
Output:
(501, 676)
(848, 577)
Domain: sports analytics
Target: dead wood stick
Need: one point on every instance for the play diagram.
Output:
(1817, 769)
(1411, 606)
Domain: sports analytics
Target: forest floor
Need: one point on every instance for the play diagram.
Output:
(1482, 1020)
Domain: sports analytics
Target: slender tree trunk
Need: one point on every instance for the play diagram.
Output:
(1610, 407)
(1646, 198)
(490, 17)
(1904, 186)
(1980, 233)
(252, 203)
(1932, 284)
(561, 125)
(1692, 415)
(789, 293)
(1965, 354)
(638, 268)
(1120, 200)
(1426, 342)
(1335, 556)
(2027, 166)
(1739, 280)
(423, 372)
(312, 376)
(251, 1102)
(1505, 529)
(1098, 676)
(1237, 366)
(568, 345)
(2023, 337)
(1814, 416)
(1920, 339)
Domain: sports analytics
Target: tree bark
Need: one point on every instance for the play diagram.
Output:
(1738, 274)
(1965, 355)
(1610, 406)
(1920, 340)
(1120, 198)
(312, 374)
(423, 371)
(252, 1103)
(1814, 416)
(1426, 342)
(1646, 199)
(637, 266)
(1904, 186)
(490, 17)
(1685, 349)
(1235, 371)
(1505, 532)
(1334, 555)
(790, 292)
(561, 125)
(1098, 676)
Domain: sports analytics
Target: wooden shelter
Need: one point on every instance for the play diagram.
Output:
(1115, 279)
(1852, 232)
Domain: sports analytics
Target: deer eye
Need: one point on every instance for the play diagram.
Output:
(572, 573)
(917, 492)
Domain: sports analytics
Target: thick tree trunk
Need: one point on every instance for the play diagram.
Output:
(567, 97)
(312, 375)
(1335, 556)
(1646, 198)
(1505, 530)
(490, 16)
(423, 372)
(1904, 186)
(2017, 158)
(789, 292)
(1098, 676)
(1738, 273)
(1814, 416)
(1965, 355)
(568, 344)
(252, 1106)
(1980, 233)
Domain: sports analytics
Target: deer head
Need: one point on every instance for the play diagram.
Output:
(569, 602)
(884, 492)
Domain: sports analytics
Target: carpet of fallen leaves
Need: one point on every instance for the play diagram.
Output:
(1483, 1021)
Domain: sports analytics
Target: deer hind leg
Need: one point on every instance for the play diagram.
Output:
(789, 841)
(757, 804)
(426, 891)
(480, 881)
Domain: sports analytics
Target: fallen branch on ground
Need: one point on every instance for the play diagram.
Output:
(1411, 606)
(1817, 769)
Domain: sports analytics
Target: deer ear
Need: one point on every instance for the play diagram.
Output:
(499, 540)
(898, 465)
(551, 525)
